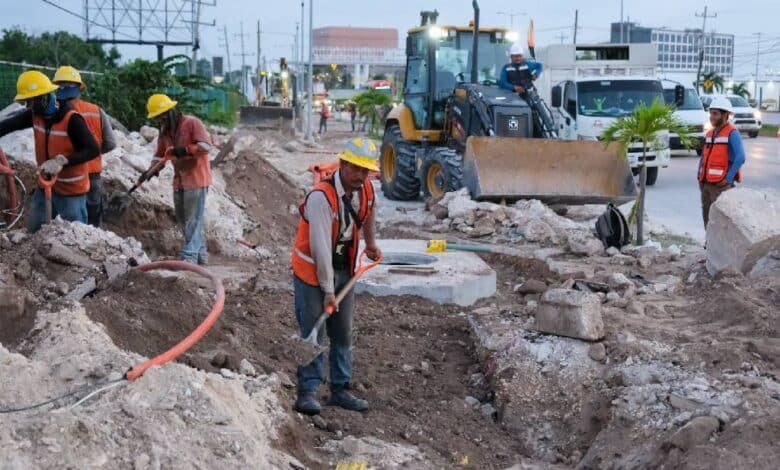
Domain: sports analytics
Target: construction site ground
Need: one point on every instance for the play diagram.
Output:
(685, 377)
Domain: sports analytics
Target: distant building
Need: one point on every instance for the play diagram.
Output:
(365, 49)
(678, 50)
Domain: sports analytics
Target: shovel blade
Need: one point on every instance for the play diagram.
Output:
(305, 350)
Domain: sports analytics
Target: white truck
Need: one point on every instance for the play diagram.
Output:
(591, 86)
(691, 113)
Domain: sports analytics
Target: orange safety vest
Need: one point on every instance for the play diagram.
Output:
(303, 264)
(715, 157)
(91, 114)
(52, 140)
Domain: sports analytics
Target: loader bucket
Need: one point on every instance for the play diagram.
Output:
(266, 117)
(552, 171)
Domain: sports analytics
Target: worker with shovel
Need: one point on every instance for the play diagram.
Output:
(324, 259)
(63, 147)
(70, 85)
(185, 140)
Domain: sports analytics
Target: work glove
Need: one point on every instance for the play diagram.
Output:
(53, 166)
(179, 152)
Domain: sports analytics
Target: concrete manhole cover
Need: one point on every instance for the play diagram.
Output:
(407, 259)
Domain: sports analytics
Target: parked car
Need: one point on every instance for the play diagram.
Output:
(745, 118)
(691, 113)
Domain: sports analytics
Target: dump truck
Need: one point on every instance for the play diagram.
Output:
(457, 128)
(276, 100)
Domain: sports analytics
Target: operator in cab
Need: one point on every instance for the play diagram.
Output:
(520, 73)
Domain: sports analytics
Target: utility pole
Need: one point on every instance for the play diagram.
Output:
(259, 32)
(576, 18)
(300, 66)
(310, 81)
(758, 56)
(621, 21)
(703, 17)
(562, 37)
(511, 14)
(227, 53)
(243, 55)
(195, 5)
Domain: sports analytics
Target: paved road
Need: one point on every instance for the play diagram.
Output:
(674, 199)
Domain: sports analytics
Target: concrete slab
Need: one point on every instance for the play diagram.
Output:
(461, 278)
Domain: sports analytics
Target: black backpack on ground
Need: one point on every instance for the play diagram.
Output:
(612, 228)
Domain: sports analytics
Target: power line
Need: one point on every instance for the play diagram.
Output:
(704, 17)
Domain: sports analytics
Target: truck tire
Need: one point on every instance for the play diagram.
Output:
(441, 172)
(753, 134)
(397, 166)
(652, 175)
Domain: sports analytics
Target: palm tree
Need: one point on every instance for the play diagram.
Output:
(740, 89)
(644, 125)
(712, 81)
(368, 104)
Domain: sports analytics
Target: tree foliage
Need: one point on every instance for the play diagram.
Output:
(710, 82)
(370, 103)
(55, 49)
(644, 125)
(740, 89)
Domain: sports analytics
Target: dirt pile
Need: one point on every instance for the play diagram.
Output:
(172, 417)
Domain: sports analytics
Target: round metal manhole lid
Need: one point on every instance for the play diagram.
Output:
(407, 259)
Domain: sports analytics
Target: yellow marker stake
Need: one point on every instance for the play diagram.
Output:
(436, 246)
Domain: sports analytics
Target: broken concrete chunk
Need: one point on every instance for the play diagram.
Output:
(56, 252)
(697, 431)
(246, 368)
(532, 286)
(81, 290)
(149, 133)
(744, 227)
(570, 313)
(619, 281)
(597, 352)
(581, 243)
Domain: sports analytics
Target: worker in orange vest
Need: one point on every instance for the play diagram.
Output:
(333, 215)
(722, 156)
(70, 85)
(63, 147)
(324, 116)
(187, 140)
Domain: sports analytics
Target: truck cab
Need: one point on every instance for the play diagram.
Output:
(589, 87)
(690, 112)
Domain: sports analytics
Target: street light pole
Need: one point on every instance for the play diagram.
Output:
(310, 81)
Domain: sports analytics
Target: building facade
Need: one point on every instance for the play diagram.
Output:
(678, 50)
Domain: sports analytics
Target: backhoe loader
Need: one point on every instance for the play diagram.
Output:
(458, 128)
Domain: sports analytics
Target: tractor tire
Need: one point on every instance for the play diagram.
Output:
(652, 175)
(398, 168)
(441, 172)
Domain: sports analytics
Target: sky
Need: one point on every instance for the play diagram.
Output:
(553, 21)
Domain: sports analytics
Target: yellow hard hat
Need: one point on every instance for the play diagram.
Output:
(361, 152)
(33, 83)
(158, 104)
(66, 73)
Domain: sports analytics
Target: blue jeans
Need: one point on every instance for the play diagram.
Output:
(308, 307)
(95, 200)
(70, 208)
(190, 206)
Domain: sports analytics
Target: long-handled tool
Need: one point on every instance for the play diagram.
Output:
(119, 202)
(310, 347)
(46, 185)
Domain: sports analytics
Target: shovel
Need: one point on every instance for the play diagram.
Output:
(46, 185)
(309, 348)
(118, 203)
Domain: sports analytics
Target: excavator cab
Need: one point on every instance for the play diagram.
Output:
(458, 128)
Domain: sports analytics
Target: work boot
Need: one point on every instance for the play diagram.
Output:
(307, 404)
(346, 400)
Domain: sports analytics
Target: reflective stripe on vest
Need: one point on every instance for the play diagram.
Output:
(91, 114)
(714, 164)
(52, 140)
(303, 264)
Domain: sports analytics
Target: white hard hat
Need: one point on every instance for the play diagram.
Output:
(722, 103)
(516, 49)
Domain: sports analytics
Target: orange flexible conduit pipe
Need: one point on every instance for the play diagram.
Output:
(185, 344)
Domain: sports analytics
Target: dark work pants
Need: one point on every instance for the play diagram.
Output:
(709, 194)
(95, 200)
(308, 307)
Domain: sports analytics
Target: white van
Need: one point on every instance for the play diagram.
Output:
(745, 118)
(690, 113)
